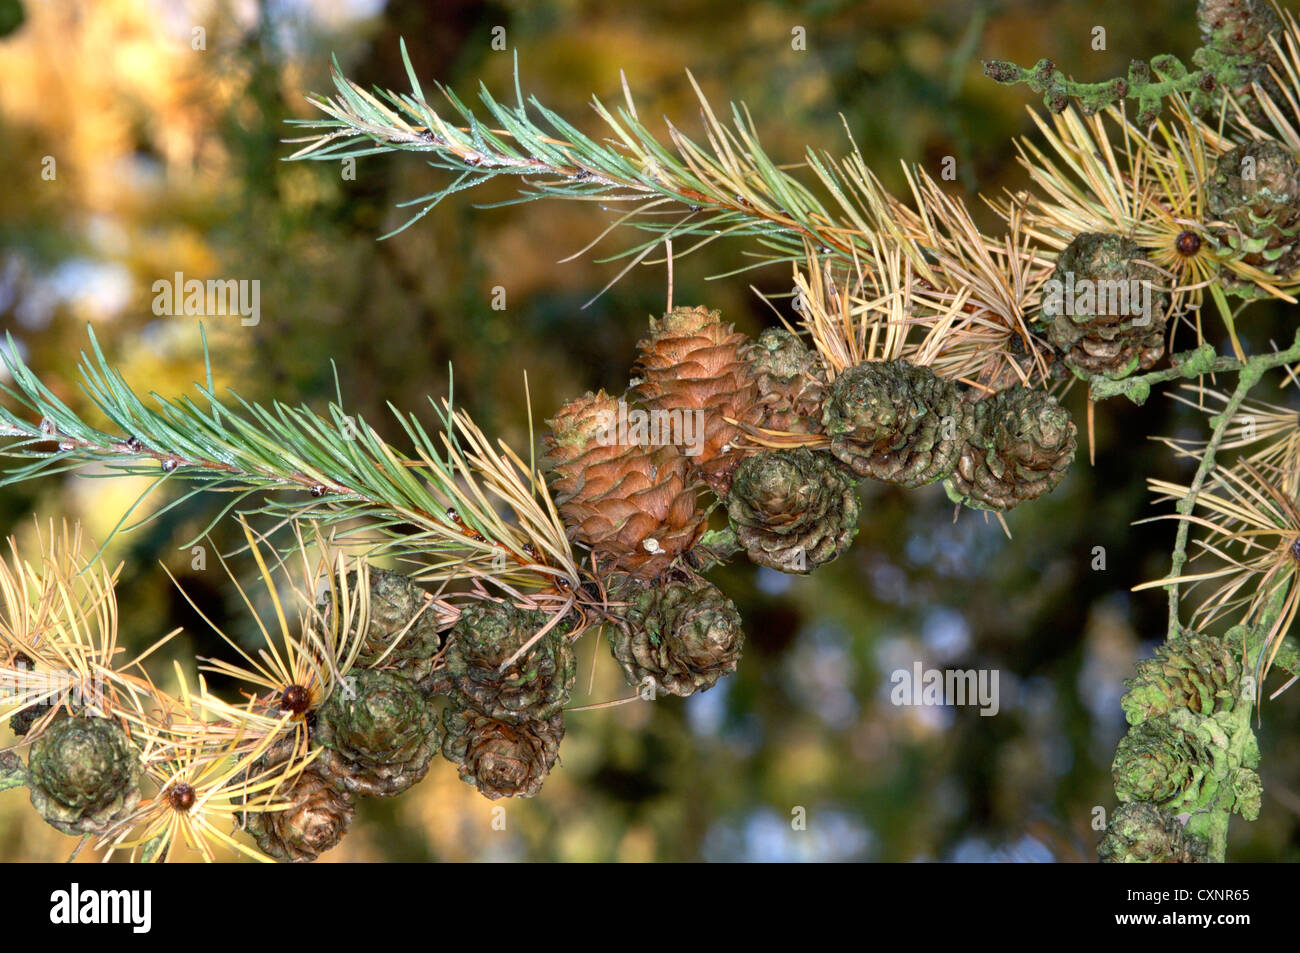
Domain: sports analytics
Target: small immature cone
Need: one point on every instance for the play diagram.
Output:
(791, 382)
(793, 510)
(316, 820)
(894, 421)
(1181, 760)
(1239, 30)
(1255, 190)
(1140, 833)
(84, 775)
(403, 632)
(378, 732)
(499, 758)
(1195, 671)
(693, 363)
(1103, 309)
(534, 686)
(1158, 762)
(1021, 446)
(636, 506)
(681, 634)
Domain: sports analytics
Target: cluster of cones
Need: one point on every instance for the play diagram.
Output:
(1106, 313)
(374, 735)
(1237, 224)
(640, 502)
(501, 674)
(1189, 746)
(635, 477)
(486, 691)
(763, 431)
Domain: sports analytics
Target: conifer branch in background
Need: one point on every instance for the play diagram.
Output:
(1231, 67)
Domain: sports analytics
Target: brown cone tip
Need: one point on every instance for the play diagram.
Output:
(693, 362)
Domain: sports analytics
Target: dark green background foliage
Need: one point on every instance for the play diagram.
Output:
(807, 720)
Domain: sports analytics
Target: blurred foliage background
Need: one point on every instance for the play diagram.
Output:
(168, 159)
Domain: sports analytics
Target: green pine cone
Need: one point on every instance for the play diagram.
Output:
(1237, 26)
(1021, 446)
(792, 510)
(502, 759)
(378, 732)
(1140, 833)
(1176, 761)
(392, 640)
(791, 382)
(1194, 671)
(536, 685)
(316, 819)
(896, 422)
(1102, 308)
(1238, 52)
(1255, 190)
(683, 635)
(84, 775)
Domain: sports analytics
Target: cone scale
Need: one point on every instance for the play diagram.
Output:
(636, 506)
(693, 363)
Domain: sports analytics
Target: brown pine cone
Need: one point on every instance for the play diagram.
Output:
(683, 634)
(1022, 445)
(499, 758)
(793, 510)
(635, 506)
(316, 820)
(693, 362)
